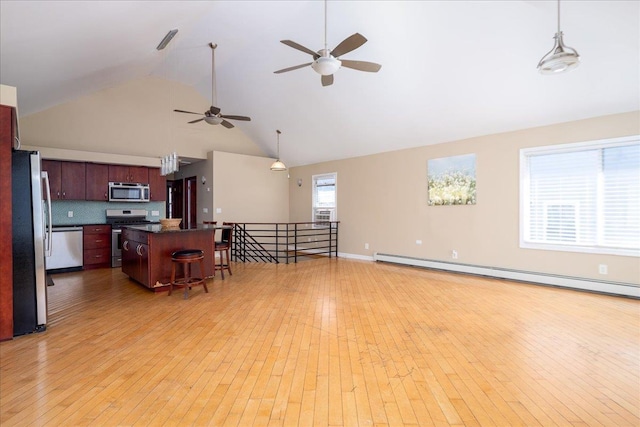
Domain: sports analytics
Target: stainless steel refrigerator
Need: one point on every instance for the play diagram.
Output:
(31, 206)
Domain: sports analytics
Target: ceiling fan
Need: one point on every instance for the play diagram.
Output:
(326, 62)
(212, 115)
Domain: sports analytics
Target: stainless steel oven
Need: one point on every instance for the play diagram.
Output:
(117, 218)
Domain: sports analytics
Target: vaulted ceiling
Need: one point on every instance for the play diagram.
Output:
(450, 69)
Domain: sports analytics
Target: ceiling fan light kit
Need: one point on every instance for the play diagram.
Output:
(326, 66)
(560, 58)
(213, 120)
(278, 166)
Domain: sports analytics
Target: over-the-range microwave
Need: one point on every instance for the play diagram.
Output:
(128, 192)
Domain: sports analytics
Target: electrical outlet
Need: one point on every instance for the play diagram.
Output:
(603, 269)
(418, 242)
(155, 213)
(218, 210)
(366, 246)
(205, 210)
(454, 254)
(70, 214)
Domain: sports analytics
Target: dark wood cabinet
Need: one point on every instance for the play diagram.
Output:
(7, 132)
(97, 182)
(157, 185)
(96, 246)
(123, 173)
(67, 179)
(135, 256)
(146, 256)
(90, 181)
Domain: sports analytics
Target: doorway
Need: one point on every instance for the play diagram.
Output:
(182, 201)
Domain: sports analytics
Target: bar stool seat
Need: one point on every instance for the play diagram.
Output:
(186, 258)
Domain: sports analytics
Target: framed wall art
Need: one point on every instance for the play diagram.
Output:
(452, 180)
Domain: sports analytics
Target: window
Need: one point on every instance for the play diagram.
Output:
(324, 198)
(582, 197)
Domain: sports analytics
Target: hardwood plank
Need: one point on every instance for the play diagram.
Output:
(325, 342)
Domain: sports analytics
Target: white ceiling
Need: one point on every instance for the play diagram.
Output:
(450, 69)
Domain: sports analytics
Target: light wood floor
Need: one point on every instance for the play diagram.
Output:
(325, 343)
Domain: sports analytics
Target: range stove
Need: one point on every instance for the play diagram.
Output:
(117, 218)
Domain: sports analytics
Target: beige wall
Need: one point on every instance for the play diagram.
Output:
(134, 120)
(242, 186)
(382, 201)
(246, 190)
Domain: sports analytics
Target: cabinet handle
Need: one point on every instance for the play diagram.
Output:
(99, 241)
(138, 250)
(125, 245)
(64, 194)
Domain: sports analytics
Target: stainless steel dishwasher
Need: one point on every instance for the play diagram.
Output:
(66, 250)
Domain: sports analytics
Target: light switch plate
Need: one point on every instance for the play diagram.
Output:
(218, 210)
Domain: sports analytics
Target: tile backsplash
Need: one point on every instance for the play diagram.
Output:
(95, 212)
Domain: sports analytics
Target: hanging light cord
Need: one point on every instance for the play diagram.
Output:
(325, 26)
(213, 76)
(558, 16)
(278, 137)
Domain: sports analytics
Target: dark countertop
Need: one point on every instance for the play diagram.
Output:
(157, 228)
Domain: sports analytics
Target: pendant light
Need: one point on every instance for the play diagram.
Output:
(278, 165)
(561, 58)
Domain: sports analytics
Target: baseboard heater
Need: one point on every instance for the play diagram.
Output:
(614, 288)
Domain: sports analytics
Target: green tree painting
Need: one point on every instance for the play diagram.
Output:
(452, 180)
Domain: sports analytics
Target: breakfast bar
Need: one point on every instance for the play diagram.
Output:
(147, 249)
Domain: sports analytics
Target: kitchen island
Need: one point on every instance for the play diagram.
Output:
(146, 252)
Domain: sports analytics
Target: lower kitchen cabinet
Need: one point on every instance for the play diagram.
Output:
(96, 245)
(135, 256)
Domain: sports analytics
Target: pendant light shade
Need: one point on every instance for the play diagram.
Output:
(278, 165)
(561, 58)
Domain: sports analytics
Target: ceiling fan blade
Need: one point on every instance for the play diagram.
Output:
(214, 110)
(244, 118)
(284, 70)
(352, 42)
(327, 80)
(188, 112)
(196, 121)
(370, 67)
(300, 48)
(226, 124)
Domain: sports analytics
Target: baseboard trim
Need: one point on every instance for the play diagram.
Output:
(613, 288)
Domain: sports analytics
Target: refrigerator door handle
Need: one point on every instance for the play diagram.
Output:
(48, 227)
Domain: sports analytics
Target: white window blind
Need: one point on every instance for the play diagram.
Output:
(582, 197)
(324, 197)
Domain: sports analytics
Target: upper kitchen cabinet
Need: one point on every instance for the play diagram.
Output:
(123, 173)
(97, 185)
(67, 179)
(157, 185)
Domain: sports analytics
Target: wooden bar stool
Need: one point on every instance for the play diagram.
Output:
(186, 258)
(223, 247)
